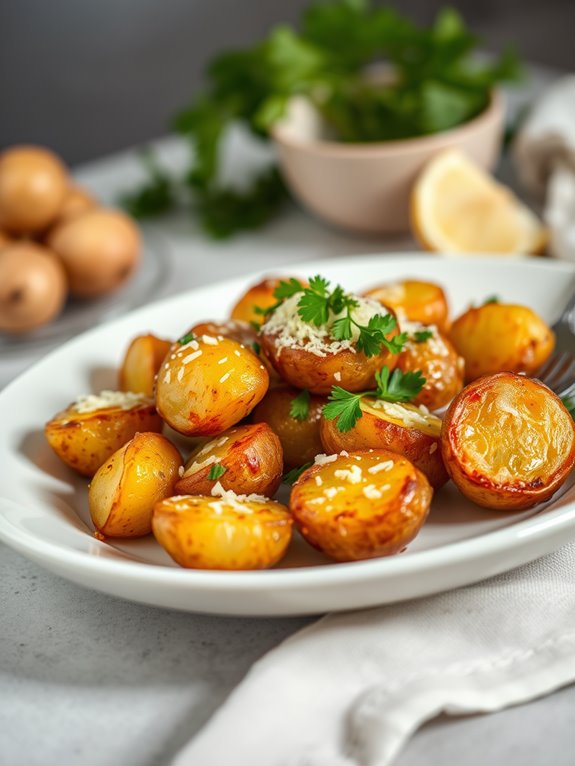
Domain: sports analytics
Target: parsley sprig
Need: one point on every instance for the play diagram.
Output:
(292, 476)
(420, 336)
(393, 386)
(299, 407)
(216, 471)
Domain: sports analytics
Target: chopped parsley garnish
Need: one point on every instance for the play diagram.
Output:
(492, 299)
(256, 347)
(391, 387)
(292, 476)
(420, 336)
(216, 472)
(299, 407)
(187, 338)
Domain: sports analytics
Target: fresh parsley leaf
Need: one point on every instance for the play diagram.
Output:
(344, 406)
(299, 407)
(398, 386)
(187, 338)
(492, 299)
(216, 472)
(292, 476)
(155, 196)
(341, 329)
(288, 289)
(256, 347)
(255, 325)
(313, 308)
(420, 336)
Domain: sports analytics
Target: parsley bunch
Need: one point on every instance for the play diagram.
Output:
(391, 387)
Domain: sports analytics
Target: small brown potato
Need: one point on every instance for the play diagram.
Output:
(126, 487)
(141, 363)
(208, 385)
(300, 439)
(99, 249)
(501, 337)
(77, 201)
(361, 505)
(438, 362)
(508, 442)
(84, 437)
(33, 287)
(33, 185)
(261, 295)
(401, 428)
(251, 456)
(231, 532)
(4, 239)
(232, 328)
(414, 300)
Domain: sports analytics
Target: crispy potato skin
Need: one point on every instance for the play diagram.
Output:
(377, 430)
(202, 532)
(500, 337)
(141, 363)
(414, 300)
(207, 387)
(300, 439)
(508, 442)
(251, 455)
(84, 440)
(439, 363)
(243, 332)
(349, 525)
(261, 295)
(126, 487)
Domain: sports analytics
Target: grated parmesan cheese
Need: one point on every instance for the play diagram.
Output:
(372, 492)
(322, 459)
(210, 340)
(353, 475)
(410, 416)
(125, 400)
(233, 500)
(385, 465)
(190, 357)
(318, 481)
(223, 360)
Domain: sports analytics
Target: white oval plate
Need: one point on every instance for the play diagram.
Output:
(43, 506)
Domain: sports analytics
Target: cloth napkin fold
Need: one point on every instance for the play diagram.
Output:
(350, 689)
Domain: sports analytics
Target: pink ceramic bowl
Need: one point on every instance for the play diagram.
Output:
(366, 187)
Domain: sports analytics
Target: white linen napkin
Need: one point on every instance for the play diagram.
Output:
(350, 689)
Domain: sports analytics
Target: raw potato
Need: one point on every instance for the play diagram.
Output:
(127, 486)
(261, 295)
(84, 440)
(499, 337)
(251, 456)
(141, 363)
(438, 362)
(99, 249)
(33, 185)
(414, 300)
(508, 442)
(401, 428)
(208, 385)
(300, 439)
(222, 532)
(76, 202)
(33, 287)
(361, 505)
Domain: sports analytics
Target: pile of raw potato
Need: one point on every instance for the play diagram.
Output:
(55, 241)
(362, 424)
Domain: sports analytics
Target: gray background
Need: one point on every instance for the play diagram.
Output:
(88, 77)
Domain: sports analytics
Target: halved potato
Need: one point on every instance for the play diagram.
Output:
(126, 487)
(501, 337)
(141, 363)
(91, 429)
(414, 300)
(361, 505)
(260, 295)
(508, 442)
(230, 532)
(300, 439)
(438, 362)
(402, 428)
(249, 456)
(208, 385)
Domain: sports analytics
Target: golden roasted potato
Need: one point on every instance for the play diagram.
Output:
(361, 505)
(414, 300)
(141, 363)
(243, 332)
(308, 357)
(500, 337)
(208, 385)
(246, 459)
(260, 295)
(91, 429)
(229, 532)
(299, 438)
(508, 442)
(430, 352)
(402, 428)
(126, 487)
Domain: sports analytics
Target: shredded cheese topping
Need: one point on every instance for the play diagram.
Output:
(125, 400)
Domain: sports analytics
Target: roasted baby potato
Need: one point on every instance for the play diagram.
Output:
(299, 438)
(208, 385)
(508, 442)
(141, 363)
(243, 332)
(428, 351)
(91, 429)
(402, 428)
(500, 337)
(245, 459)
(229, 532)
(260, 295)
(361, 505)
(126, 487)
(414, 300)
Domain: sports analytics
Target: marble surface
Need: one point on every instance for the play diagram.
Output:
(89, 679)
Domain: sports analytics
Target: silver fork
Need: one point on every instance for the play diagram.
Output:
(558, 372)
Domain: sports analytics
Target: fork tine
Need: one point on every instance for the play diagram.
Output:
(568, 392)
(547, 368)
(566, 379)
(553, 370)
